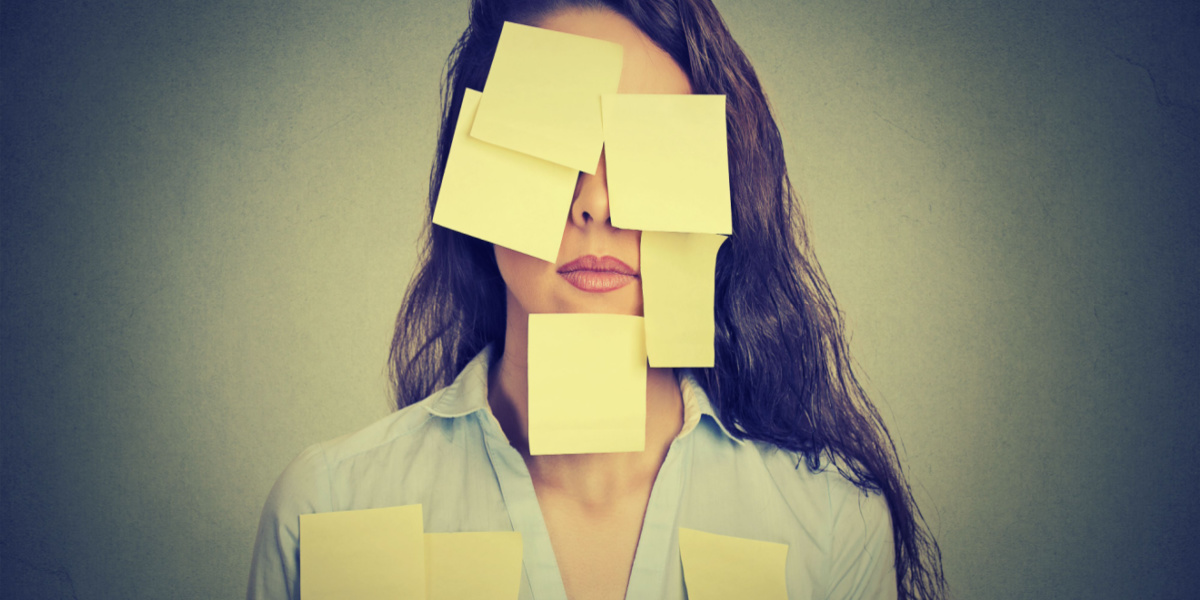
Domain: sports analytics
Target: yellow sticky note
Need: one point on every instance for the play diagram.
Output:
(542, 95)
(473, 566)
(719, 567)
(678, 285)
(502, 196)
(667, 162)
(587, 384)
(376, 553)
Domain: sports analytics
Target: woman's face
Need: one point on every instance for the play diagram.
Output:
(598, 266)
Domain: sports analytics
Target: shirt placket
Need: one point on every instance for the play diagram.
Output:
(657, 552)
(658, 547)
(516, 486)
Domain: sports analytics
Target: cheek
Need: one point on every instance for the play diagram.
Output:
(523, 274)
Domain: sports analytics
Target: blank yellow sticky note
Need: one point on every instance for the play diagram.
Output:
(587, 384)
(376, 553)
(501, 196)
(542, 95)
(678, 285)
(473, 566)
(719, 567)
(667, 162)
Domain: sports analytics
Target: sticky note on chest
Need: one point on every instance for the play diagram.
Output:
(678, 285)
(587, 384)
(542, 95)
(501, 196)
(667, 162)
(719, 567)
(376, 553)
(473, 566)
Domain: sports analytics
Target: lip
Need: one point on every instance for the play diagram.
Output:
(598, 275)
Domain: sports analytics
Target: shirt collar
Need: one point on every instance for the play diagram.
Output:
(696, 405)
(469, 391)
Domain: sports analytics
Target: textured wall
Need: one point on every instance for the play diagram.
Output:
(210, 212)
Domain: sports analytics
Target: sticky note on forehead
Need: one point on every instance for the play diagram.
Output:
(667, 162)
(587, 384)
(542, 95)
(717, 567)
(471, 566)
(502, 196)
(376, 553)
(678, 285)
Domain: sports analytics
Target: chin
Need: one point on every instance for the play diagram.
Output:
(617, 302)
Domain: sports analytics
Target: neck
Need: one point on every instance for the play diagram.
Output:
(590, 477)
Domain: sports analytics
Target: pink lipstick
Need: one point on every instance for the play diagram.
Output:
(598, 274)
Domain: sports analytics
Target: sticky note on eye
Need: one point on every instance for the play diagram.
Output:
(473, 566)
(678, 285)
(667, 162)
(376, 553)
(542, 95)
(501, 196)
(718, 567)
(587, 384)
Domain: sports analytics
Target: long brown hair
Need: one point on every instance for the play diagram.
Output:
(783, 373)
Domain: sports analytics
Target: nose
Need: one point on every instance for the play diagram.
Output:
(590, 203)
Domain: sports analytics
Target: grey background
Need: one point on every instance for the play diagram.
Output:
(210, 212)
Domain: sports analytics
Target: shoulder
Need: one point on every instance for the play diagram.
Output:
(305, 484)
(311, 479)
(814, 497)
(823, 489)
(839, 532)
(854, 524)
(850, 515)
(310, 484)
(387, 463)
(401, 428)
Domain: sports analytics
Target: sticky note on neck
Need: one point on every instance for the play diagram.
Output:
(678, 285)
(587, 384)
(667, 162)
(719, 567)
(501, 196)
(542, 95)
(473, 566)
(376, 553)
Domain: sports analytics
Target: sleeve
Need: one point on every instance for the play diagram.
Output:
(302, 488)
(862, 561)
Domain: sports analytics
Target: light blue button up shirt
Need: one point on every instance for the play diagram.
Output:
(448, 454)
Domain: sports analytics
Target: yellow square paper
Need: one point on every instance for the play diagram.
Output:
(587, 384)
(501, 196)
(542, 95)
(719, 567)
(667, 162)
(678, 285)
(376, 553)
(473, 566)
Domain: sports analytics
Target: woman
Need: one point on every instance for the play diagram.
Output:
(777, 442)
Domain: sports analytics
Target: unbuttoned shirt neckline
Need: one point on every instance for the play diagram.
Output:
(448, 454)
(466, 398)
